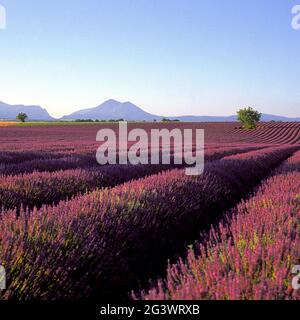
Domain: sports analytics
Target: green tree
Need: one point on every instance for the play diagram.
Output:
(249, 117)
(22, 117)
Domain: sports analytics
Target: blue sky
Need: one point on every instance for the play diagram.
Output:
(171, 57)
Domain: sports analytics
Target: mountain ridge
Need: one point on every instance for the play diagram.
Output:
(9, 112)
(141, 115)
(115, 110)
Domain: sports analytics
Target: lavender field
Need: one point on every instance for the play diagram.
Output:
(71, 229)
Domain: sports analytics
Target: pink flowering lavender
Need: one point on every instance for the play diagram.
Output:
(251, 254)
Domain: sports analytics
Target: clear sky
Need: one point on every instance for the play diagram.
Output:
(171, 57)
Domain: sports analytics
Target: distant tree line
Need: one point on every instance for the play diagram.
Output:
(119, 120)
(169, 120)
(96, 120)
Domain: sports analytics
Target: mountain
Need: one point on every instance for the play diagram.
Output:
(272, 117)
(265, 117)
(113, 110)
(204, 118)
(9, 112)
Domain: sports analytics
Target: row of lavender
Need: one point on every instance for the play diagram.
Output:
(251, 255)
(14, 163)
(79, 137)
(39, 188)
(105, 243)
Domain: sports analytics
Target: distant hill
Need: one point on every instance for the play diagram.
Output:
(265, 117)
(272, 117)
(114, 110)
(9, 112)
